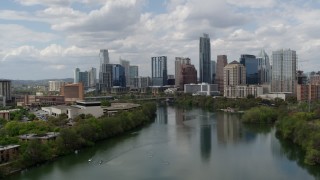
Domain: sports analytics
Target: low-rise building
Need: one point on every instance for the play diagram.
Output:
(50, 136)
(4, 114)
(306, 92)
(116, 107)
(8, 153)
(201, 89)
(242, 91)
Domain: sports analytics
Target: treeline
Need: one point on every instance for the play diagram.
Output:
(86, 132)
(302, 128)
(217, 103)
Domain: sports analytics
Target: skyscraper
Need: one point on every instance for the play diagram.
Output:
(178, 67)
(118, 76)
(213, 71)
(76, 75)
(284, 71)
(188, 75)
(205, 58)
(222, 61)
(251, 64)
(104, 56)
(234, 74)
(134, 73)
(92, 77)
(126, 65)
(159, 71)
(105, 72)
(264, 68)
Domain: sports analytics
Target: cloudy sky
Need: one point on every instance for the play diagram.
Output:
(49, 38)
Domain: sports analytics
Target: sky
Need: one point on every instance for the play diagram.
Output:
(42, 39)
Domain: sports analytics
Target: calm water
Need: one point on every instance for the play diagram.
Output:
(184, 144)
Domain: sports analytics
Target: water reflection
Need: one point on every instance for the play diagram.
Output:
(162, 115)
(228, 128)
(205, 142)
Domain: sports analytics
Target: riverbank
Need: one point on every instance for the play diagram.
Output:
(302, 128)
(85, 133)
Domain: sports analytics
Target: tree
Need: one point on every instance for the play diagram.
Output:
(105, 103)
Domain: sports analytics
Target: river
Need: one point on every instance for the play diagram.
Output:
(191, 144)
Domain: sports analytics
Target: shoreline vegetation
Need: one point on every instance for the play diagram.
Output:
(85, 133)
(294, 121)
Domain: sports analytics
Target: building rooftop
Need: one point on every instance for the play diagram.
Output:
(46, 136)
(8, 147)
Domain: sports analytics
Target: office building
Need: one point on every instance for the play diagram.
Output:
(201, 89)
(284, 71)
(205, 59)
(234, 74)
(126, 65)
(159, 71)
(179, 61)
(264, 68)
(54, 86)
(92, 77)
(243, 91)
(76, 78)
(188, 75)
(104, 56)
(134, 72)
(118, 76)
(5, 90)
(213, 71)
(222, 61)
(72, 92)
(251, 64)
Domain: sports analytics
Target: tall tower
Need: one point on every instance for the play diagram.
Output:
(213, 72)
(76, 75)
(178, 67)
(159, 71)
(92, 77)
(264, 68)
(126, 65)
(104, 56)
(284, 71)
(222, 61)
(251, 64)
(205, 58)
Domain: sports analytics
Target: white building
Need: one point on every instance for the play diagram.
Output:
(242, 91)
(55, 85)
(201, 89)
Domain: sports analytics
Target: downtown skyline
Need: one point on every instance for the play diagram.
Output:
(48, 39)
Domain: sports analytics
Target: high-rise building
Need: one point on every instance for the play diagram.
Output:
(92, 77)
(159, 71)
(178, 67)
(251, 64)
(76, 75)
(234, 74)
(205, 59)
(213, 71)
(104, 56)
(55, 85)
(5, 90)
(264, 68)
(222, 61)
(188, 75)
(105, 72)
(284, 71)
(134, 72)
(118, 76)
(126, 65)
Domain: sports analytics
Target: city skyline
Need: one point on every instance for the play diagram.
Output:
(43, 37)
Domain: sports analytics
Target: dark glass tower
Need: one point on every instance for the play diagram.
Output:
(252, 67)
(205, 59)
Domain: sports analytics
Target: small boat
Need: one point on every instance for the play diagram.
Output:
(89, 160)
(100, 162)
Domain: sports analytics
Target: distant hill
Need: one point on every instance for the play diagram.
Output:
(41, 82)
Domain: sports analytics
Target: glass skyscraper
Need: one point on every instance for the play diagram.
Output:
(205, 59)
(264, 68)
(118, 76)
(159, 71)
(284, 67)
(251, 64)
